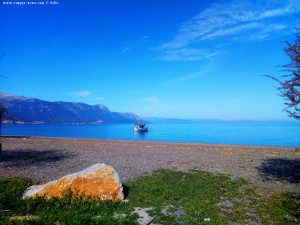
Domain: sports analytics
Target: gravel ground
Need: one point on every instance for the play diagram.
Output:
(268, 169)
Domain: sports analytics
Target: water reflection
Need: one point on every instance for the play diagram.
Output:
(140, 135)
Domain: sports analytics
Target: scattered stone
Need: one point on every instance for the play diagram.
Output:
(119, 215)
(166, 210)
(206, 220)
(226, 204)
(254, 223)
(171, 210)
(249, 223)
(237, 200)
(24, 218)
(250, 213)
(144, 217)
(179, 212)
(224, 190)
(98, 181)
(233, 223)
(243, 200)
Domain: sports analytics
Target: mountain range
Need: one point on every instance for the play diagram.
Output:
(24, 110)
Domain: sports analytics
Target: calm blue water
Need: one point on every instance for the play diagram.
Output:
(249, 133)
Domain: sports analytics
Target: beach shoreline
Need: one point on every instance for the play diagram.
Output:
(45, 158)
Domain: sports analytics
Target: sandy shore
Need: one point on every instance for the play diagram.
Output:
(44, 159)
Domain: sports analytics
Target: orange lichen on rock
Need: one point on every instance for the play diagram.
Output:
(98, 181)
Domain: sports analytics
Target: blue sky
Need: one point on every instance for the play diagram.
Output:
(171, 58)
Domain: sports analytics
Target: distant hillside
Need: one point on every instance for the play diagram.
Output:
(21, 109)
(158, 120)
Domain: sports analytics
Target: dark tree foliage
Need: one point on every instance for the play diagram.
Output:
(2, 110)
(289, 84)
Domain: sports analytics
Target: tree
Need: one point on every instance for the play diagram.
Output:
(2, 110)
(289, 84)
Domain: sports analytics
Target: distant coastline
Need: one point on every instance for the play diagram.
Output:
(152, 120)
(11, 122)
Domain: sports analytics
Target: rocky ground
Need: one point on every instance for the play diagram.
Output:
(269, 169)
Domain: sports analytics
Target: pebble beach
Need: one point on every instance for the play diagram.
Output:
(269, 169)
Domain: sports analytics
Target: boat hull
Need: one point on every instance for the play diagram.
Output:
(136, 129)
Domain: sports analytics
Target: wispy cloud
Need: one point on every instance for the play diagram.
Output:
(153, 100)
(184, 78)
(188, 54)
(232, 30)
(210, 67)
(264, 34)
(125, 50)
(231, 21)
(97, 98)
(145, 37)
(81, 93)
(87, 96)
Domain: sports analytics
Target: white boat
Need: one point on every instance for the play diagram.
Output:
(140, 127)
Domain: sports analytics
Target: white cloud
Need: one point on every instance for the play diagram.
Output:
(188, 54)
(87, 96)
(232, 30)
(125, 50)
(235, 20)
(81, 93)
(183, 54)
(97, 98)
(263, 34)
(211, 66)
(153, 100)
(184, 78)
(145, 37)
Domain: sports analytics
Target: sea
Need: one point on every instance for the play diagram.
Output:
(260, 133)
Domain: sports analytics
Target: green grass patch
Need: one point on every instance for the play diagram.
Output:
(195, 197)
